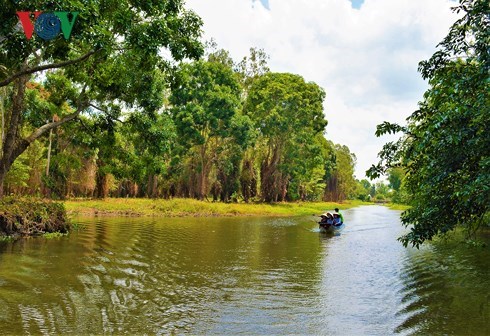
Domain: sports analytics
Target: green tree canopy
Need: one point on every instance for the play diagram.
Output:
(205, 99)
(113, 57)
(445, 149)
(287, 112)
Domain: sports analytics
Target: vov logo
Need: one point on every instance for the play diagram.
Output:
(47, 25)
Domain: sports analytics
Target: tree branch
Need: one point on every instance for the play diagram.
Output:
(49, 126)
(106, 112)
(98, 108)
(45, 67)
(41, 130)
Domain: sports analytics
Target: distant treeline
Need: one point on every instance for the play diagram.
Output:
(227, 131)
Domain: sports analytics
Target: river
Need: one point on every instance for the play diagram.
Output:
(243, 276)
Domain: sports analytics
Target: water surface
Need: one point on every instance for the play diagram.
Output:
(242, 276)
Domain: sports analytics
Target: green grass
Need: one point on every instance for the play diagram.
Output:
(179, 207)
(51, 235)
(394, 206)
(6, 238)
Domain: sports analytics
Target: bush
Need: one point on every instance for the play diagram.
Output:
(27, 217)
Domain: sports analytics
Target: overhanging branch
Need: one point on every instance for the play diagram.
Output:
(43, 129)
(49, 126)
(46, 67)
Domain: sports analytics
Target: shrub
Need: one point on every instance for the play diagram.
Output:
(27, 217)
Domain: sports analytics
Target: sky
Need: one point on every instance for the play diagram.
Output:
(363, 53)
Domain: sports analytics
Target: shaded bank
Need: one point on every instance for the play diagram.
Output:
(29, 217)
(182, 207)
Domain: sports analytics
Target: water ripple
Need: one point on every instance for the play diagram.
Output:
(248, 275)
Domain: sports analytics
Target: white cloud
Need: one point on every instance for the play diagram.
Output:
(366, 59)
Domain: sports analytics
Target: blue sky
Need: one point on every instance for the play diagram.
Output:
(265, 3)
(357, 3)
(364, 53)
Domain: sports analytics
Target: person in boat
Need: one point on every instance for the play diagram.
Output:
(326, 220)
(337, 220)
(337, 212)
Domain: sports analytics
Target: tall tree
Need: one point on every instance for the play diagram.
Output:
(340, 183)
(251, 67)
(445, 148)
(363, 190)
(205, 99)
(287, 111)
(395, 177)
(114, 56)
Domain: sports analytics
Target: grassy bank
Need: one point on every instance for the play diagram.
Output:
(190, 207)
(394, 206)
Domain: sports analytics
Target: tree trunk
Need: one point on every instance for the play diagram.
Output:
(102, 186)
(203, 175)
(152, 187)
(271, 176)
(1, 186)
(13, 146)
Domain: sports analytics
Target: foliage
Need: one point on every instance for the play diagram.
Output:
(26, 217)
(205, 98)
(252, 67)
(137, 125)
(396, 178)
(363, 189)
(51, 235)
(287, 112)
(445, 149)
(6, 238)
(18, 175)
(114, 59)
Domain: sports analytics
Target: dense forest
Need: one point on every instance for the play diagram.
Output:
(137, 124)
(224, 132)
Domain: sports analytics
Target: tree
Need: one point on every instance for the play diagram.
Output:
(307, 163)
(287, 112)
(395, 177)
(363, 190)
(205, 98)
(382, 191)
(151, 139)
(340, 183)
(252, 67)
(445, 148)
(113, 57)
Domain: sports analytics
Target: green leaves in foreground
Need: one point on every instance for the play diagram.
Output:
(445, 148)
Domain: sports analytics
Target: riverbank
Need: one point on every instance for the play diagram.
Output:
(395, 206)
(179, 207)
(22, 217)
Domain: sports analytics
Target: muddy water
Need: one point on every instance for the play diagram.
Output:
(245, 275)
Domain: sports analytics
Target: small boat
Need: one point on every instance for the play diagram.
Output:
(332, 229)
(331, 224)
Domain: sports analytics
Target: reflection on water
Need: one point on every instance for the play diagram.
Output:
(246, 275)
